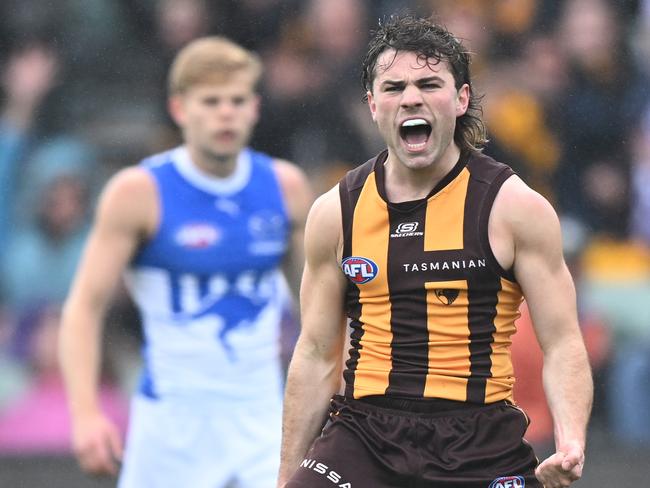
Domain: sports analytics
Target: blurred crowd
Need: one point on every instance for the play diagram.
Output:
(82, 94)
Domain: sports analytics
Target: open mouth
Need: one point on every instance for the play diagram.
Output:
(415, 133)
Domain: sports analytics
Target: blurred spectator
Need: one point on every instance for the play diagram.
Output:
(45, 187)
(41, 254)
(616, 283)
(311, 89)
(597, 110)
(519, 112)
(27, 77)
(37, 421)
(256, 23)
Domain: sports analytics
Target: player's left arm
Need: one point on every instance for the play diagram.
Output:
(298, 197)
(547, 285)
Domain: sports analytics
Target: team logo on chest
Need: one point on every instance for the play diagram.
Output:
(359, 270)
(447, 296)
(197, 235)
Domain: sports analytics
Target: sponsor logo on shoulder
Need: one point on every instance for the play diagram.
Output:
(359, 270)
(407, 229)
(508, 482)
(324, 470)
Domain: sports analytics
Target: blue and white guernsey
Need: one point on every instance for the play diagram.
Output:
(208, 283)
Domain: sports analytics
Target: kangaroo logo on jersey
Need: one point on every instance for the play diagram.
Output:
(447, 296)
(359, 270)
(197, 235)
(508, 482)
(268, 231)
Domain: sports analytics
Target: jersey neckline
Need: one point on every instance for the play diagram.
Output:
(412, 204)
(229, 185)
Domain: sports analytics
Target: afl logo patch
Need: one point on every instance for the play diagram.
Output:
(197, 235)
(359, 270)
(508, 482)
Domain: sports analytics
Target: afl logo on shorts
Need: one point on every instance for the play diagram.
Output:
(509, 482)
(359, 270)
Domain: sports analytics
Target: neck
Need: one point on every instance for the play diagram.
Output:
(215, 165)
(405, 184)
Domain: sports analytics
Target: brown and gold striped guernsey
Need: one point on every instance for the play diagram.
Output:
(431, 309)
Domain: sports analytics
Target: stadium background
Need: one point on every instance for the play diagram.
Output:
(82, 86)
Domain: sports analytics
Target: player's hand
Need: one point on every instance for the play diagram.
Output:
(97, 444)
(562, 468)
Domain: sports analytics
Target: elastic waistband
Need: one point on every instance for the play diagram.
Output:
(420, 405)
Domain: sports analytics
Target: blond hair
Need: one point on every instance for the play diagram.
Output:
(211, 60)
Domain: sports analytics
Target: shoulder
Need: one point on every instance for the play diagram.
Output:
(130, 184)
(129, 195)
(356, 177)
(324, 224)
(529, 217)
(327, 207)
(486, 169)
(289, 174)
(296, 190)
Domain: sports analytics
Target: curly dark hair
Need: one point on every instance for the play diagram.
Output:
(434, 43)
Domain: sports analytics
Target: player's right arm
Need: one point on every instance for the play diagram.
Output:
(315, 369)
(126, 214)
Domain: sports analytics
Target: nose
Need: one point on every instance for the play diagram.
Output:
(411, 97)
(226, 109)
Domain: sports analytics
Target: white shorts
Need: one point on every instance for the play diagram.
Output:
(200, 443)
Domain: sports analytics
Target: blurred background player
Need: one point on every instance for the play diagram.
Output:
(202, 231)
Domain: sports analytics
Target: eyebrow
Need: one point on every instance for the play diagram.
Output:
(419, 81)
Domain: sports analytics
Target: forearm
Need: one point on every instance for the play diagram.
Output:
(311, 383)
(569, 390)
(80, 357)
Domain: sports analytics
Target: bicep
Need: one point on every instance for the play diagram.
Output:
(118, 227)
(544, 277)
(323, 284)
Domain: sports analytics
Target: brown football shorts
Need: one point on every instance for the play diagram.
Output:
(381, 442)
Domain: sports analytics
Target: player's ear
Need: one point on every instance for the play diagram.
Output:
(257, 107)
(372, 105)
(462, 100)
(176, 109)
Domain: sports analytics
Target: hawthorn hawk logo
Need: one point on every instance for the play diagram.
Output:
(447, 296)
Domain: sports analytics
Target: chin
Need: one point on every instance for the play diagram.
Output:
(224, 152)
(416, 161)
